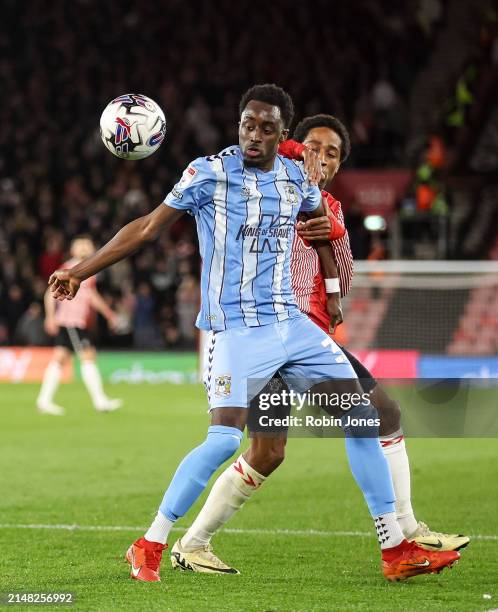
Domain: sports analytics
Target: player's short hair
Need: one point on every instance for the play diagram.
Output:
(270, 94)
(327, 121)
(82, 237)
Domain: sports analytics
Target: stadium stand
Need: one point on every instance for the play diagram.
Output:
(58, 180)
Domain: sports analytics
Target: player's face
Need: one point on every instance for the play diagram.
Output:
(82, 248)
(260, 132)
(327, 144)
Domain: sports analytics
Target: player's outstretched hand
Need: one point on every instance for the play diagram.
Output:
(312, 166)
(318, 228)
(335, 310)
(64, 285)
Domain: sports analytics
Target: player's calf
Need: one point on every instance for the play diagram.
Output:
(230, 491)
(266, 454)
(388, 409)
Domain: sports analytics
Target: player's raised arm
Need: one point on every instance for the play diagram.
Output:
(311, 161)
(330, 272)
(190, 192)
(65, 283)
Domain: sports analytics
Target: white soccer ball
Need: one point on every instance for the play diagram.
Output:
(132, 126)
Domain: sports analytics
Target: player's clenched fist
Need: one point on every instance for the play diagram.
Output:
(64, 285)
(318, 228)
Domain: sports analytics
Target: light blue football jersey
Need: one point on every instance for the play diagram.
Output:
(245, 223)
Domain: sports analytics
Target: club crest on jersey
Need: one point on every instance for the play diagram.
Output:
(246, 192)
(291, 194)
(223, 385)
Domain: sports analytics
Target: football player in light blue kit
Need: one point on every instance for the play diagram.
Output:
(245, 201)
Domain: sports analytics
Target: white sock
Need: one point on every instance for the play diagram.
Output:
(93, 382)
(231, 490)
(51, 379)
(388, 530)
(159, 530)
(395, 452)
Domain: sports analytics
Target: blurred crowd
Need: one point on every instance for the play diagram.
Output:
(195, 58)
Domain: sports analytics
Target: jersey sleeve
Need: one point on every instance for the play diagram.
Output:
(194, 188)
(291, 149)
(311, 197)
(336, 217)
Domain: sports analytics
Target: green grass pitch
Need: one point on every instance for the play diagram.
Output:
(110, 470)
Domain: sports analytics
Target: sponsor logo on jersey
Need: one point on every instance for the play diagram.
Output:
(268, 235)
(187, 178)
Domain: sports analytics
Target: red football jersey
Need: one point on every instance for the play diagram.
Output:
(307, 277)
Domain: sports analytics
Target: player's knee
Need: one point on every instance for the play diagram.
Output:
(389, 411)
(88, 355)
(61, 356)
(223, 441)
(361, 421)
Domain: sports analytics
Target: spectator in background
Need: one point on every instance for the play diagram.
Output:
(52, 256)
(30, 328)
(188, 299)
(12, 309)
(4, 333)
(145, 332)
(428, 15)
(172, 337)
(389, 119)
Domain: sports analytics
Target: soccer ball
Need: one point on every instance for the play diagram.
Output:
(132, 126)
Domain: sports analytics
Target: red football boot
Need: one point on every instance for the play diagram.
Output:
(409, 559)
(144, 558)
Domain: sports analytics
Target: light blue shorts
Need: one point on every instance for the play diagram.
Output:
(296, 348)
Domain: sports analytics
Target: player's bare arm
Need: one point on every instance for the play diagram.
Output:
(64, 284)
(332, 287)
(49, 324)
(330, 273)
(102, 307)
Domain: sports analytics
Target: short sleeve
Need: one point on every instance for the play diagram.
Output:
(193, 189)
(311, 197)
